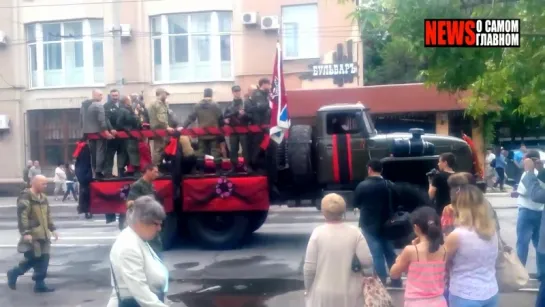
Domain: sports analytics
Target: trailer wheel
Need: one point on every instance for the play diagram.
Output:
(257, 219)
(169, 232)
(300, 154)
(218, 230)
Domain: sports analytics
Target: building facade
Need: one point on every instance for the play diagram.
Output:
(53, 54)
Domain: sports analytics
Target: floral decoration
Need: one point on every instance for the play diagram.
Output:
(224, 187)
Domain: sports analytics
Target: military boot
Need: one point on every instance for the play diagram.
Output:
(12, 275)
(41, 287)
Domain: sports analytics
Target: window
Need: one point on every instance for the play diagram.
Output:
(342, 123)
(68, 53)
(192, 47)
(300, 31)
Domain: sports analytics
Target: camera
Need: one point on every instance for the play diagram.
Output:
(432, 173)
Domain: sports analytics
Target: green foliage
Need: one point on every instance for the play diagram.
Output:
(494, 76)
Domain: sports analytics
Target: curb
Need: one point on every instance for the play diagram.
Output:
(504, 194)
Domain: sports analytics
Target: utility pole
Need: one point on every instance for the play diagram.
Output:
(118, 53)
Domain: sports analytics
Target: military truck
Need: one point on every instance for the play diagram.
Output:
(331, 155)
(220, 209)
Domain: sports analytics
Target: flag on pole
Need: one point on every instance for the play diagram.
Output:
(280, 120)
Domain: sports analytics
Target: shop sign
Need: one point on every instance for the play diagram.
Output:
(334, 70)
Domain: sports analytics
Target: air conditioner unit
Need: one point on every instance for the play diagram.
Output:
(269, 23)
(249, 18)
(3, 38)
(4, 122)
(126, 31)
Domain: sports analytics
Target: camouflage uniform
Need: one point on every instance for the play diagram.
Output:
(33, 218)
(140, 188)
(236, 140)
(158, 118)
(128, 120)
(258, 111)
(208, 114)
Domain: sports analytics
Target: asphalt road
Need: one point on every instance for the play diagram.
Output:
(266, 271)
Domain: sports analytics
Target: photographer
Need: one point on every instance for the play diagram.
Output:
(439, 190)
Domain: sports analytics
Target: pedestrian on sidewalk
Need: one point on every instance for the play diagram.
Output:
(473, 248)
(70, 183)
(59, 180)
(529, 216)
(26, 179)
(424, 262)
(490, 171)
(34, 170)
(331, 252)
(35, 242)
(499, 164)
(537, 194)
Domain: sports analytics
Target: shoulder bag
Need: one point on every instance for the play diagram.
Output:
(398, 225)
(126, 302)
(375, 294)
(511, 274)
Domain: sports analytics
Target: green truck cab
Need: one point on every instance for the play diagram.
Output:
(332, 155)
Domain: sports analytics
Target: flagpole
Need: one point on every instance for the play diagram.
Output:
(278, 68)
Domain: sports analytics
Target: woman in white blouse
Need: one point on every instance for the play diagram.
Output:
(139, 277)
(329, 279)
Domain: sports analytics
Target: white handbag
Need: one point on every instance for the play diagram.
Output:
(510, 272)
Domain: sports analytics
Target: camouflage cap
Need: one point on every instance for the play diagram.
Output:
(160, 91)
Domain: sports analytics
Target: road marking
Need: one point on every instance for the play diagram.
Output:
(61, 245)
(50, 205)
(87, 238)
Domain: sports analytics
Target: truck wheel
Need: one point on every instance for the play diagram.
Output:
(218, 230)
(257, 219)
(169, 232)
(300, 154)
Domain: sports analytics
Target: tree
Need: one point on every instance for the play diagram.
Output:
(494, 76)
(400, 63)
(389, 60)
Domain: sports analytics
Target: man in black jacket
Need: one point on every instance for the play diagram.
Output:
(114, 146)
(127, 120)
(258, 111)
(372, 197)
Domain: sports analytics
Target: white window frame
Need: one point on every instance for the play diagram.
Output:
(301, 31)
(87, 55)
(215, 48)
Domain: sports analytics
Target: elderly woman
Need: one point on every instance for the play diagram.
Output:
(139, 277)
(329, 279)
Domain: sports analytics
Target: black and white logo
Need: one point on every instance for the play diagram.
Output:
(333, 70)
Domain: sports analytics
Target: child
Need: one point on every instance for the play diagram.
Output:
(424, 262)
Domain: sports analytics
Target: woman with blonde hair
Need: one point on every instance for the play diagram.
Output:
(473, 249)
(329, 278)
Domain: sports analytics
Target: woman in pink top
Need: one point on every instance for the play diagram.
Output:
(424, 262)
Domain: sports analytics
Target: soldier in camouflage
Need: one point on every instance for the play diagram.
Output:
(36, 228)
(158, 117)
(208, 114)
(144, 187)
(235, 116)
(128, 120)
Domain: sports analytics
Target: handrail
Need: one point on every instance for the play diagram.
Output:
(194, 132)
